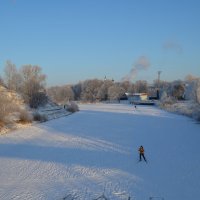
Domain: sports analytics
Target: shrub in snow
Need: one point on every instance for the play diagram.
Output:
(196, 113)
(72, 107)
(178, 91)
(38, 99)
(166, 100)
(163, 96)
(25, 116)
(39, 117)
(7, 107)
(12, 108)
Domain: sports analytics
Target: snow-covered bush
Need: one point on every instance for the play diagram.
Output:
(12, 109)
(178, 91)
(25, 116)
(187, 108)
(7, 107)
(196, 113)
(166, 100)
(39, 117)
(38, 99)
(163, 96)
(72, 107)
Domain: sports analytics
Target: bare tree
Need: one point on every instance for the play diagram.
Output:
(160, 84)
(141, 86)
(52, 92)
(125, 84)
(128, 86)
(77, 89)
(178, 91)
(61, 94)
(33, 81)
(12, 77)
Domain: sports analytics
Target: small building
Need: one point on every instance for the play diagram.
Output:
(139, 98)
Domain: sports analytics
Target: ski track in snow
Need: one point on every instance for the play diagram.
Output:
(94, 152)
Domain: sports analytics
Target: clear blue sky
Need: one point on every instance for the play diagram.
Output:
(74, 40)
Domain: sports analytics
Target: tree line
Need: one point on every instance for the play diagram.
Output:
(95, 90)
(30, 83)
(107, 90)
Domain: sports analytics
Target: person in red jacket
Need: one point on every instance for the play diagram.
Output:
(141, 152)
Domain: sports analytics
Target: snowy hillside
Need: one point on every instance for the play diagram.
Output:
(94, 152)
(13, 106)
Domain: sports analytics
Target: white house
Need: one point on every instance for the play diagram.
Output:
(137, 97)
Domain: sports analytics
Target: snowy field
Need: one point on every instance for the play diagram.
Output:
(95, 152)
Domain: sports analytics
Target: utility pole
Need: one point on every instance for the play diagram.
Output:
(158, 85)
(159, 72)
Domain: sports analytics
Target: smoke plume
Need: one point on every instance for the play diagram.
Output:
(142, 63)
(172, 45)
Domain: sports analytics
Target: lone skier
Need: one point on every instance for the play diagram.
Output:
(141, 152)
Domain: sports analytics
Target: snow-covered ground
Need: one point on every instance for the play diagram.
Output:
(95, 152)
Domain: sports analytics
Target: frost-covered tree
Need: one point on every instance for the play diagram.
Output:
(160, 84)
(115, 92)
(103, 90)
(61, 94)
(70, 93)
(125, 85)
(33, 81)
(90, 90)
(12, 76)
(128, 86)
(141, 86)
(52, 92)
(192, 90)
(77, 89)
(178, 91)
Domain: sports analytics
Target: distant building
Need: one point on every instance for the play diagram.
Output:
(139, 98)
(136, 97)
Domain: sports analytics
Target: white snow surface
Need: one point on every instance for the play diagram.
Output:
(94, 152)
